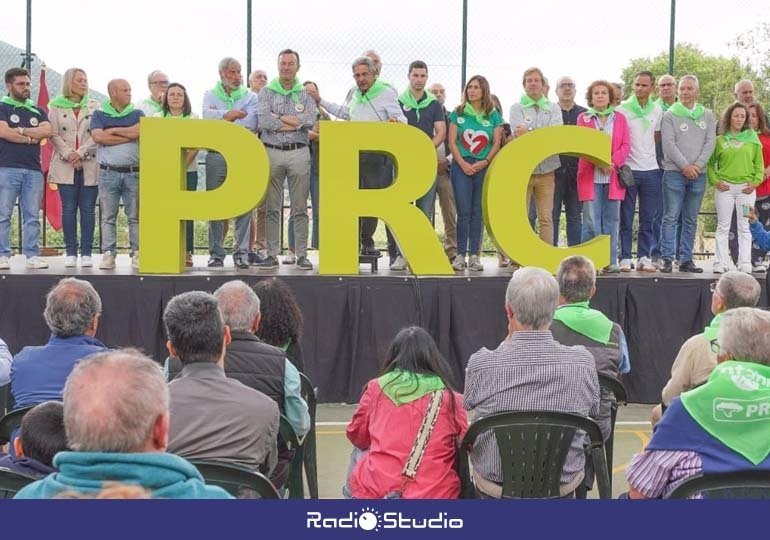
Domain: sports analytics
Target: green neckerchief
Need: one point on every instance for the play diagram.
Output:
(408, 100)
(606, 112)
(235, 95)
(403, 387)
(110, 111)
(677, 109)
(375, 90)
(632, 105)
(580, 318)
(168, 114)
(157, 106)
(541, 103)
(294, 91)
(8, 100)
(480, 117)
(734, 407)
(286, 345)
(663, 105)
(747, 136)
(61, 102)
(710, 332)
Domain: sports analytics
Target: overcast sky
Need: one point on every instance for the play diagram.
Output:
(587, 40)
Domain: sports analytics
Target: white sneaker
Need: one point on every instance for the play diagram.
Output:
(290, 258)
(759, 267)
(86, 261)
(70, 261)
(399, 264)
(108, 261)
(5, 263)
(459, 263)
(644, 264)
(625, 265)
(745, 268)
(36, 263)
(135, 261)
(475, 264)
(718, 268)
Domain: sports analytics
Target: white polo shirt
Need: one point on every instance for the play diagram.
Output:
(642, 156)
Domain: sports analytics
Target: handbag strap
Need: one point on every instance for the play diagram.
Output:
(423, 436)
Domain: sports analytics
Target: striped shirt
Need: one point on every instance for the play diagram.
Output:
(656, 473)
(271, 104)
(530, 372)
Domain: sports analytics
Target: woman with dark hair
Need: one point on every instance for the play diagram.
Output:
(176, 104)
(758, 123)
(474, 138)
(390, 413)
(281, 323)
(735, 169)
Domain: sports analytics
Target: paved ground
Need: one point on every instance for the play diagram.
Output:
(632, 433)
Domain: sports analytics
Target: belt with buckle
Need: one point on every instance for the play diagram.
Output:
(121, 169)
(292, 146)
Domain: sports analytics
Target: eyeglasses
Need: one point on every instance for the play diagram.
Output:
(713, 287)
(715, 348)
(567, 85)
(162, 83)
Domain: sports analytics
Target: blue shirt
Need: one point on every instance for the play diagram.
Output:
(118, 155)
(215, 109)
(38, 373)
(428, 116)
(18, 155)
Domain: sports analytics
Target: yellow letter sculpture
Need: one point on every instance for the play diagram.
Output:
(165, 204)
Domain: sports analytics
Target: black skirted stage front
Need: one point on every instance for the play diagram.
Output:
(349, 321)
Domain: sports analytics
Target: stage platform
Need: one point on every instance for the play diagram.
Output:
(350, 320)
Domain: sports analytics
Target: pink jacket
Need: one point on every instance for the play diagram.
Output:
(621, 146)
(388, 431)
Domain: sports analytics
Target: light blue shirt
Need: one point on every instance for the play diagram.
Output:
(625, 361)
(215, 109)
(294, 406)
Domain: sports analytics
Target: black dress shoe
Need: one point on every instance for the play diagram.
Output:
(668, 266)
(269, 263)
(370, 252)
(690, 267)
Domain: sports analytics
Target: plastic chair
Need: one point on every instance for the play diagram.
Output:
(294, 483)
(533, 447)
(6, 399)
(11, 482)
(617, 389)
(10, 422)
(235, 480)
(310, 448)
(733, 485)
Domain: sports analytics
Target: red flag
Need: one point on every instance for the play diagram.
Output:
(51, 203)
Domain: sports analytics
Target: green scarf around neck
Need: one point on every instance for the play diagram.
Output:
(112, 112)
(593, 112)
(27, 104)
(480, 117)
(663, 105)
(168, 114)
(632, 105)
(157, 107)
(235, 95)
(61, 102)
(408, 100)
(403, 387)
(747, 136)
(580, 318)
(710, 332)
(294, 91)
(541, 103)
(734, 407)
(677, 109)
(375, 90)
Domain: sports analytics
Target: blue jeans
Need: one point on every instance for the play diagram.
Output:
(27, 186)
(192, 185)
(681, 198)
(565, 192)
(112, 187)
(647, 189)
(76, 197)
(468, 190)
(427, 203)
(602, 216)
(216, 171)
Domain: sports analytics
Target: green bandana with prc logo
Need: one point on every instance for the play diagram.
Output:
(734, 407)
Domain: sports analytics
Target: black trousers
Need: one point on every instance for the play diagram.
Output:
(374, 171)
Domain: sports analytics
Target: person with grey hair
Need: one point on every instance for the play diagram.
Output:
(720, 426)
(689, 136)
(72, 311)
(157, 82)
(258, 365)
(529, 371)
(744, 92)
(231, 101)
(116, 416)
(696, 359)
(371, 100)
(213, 416)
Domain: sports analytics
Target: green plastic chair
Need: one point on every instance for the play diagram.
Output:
(10, 422)
(11, 482)
(533, 447)
(294, 483)
(310, 448)
(732, 485)
(237, 481)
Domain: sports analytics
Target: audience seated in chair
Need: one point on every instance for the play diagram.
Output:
(116, 418)
(696, 360)
(212, 416)
(281, 323)
(42, 436)
(529, 371)
(72, 311)
(720, 426)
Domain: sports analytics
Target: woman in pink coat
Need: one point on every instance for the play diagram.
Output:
(599, 189)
